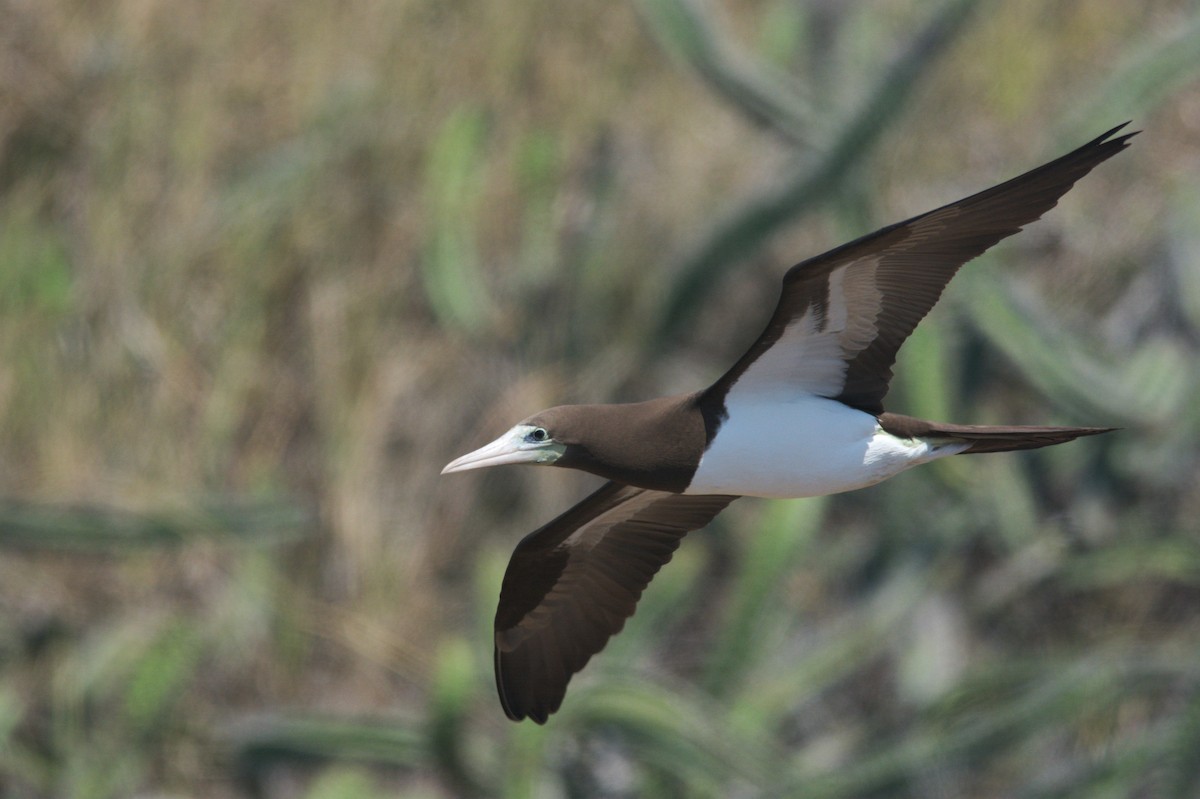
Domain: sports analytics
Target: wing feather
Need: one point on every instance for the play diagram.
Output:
(571, 585)
(843, 315)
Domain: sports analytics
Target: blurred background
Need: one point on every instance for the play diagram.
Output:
(265, 267)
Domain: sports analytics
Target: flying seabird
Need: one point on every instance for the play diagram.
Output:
(800, 414)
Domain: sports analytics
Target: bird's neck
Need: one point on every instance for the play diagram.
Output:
(655, 444)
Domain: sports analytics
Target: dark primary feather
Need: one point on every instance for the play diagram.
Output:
(571, 585)
(915, 259)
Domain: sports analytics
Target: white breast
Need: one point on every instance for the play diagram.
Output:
(805, 446)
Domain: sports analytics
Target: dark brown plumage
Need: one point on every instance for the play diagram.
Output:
(914, 260)
(834, 334)
(607, 440)
(571, 585)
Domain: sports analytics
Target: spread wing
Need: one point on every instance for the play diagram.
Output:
(843, 315)
(571, 585)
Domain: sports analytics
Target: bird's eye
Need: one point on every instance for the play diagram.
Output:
(538, 434)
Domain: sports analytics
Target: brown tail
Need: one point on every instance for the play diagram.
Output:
(985, 438)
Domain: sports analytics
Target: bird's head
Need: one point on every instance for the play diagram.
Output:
(540, 439)
(654, 444)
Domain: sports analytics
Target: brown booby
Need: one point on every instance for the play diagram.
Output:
(799, 415)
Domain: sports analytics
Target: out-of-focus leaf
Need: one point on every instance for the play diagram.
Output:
(260, 741)
(16, 760)
(1184, 249)
(35, 277)
(10, 715)
(453, 688)
(82, 528)
(786, 531)
(752, 223)
(781, 32)
(1149, 385)
(933, 654)
(524, 760)
(1010, 500)
(1175, 560)
(791, 675)
(538, 165)
(1150, 71)
(1049, 698)
(1129, 766)
(926, 386)
(1028, 566)
(160, 675)
(686, 738)
(453, 180)
(344, 783)
(101, 663)
(1181, 751)
(922, 371)
(752, 89)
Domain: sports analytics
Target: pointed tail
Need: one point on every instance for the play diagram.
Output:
(986, 438)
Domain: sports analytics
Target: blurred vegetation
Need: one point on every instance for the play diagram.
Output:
(266, 267)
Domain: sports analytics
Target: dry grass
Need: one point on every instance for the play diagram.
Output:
(302, 254)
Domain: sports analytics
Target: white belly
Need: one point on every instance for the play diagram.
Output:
(805, 447)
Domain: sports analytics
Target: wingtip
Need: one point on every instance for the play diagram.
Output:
(538, 715)
(1122, 140)
(1095, 431)
(498, 672)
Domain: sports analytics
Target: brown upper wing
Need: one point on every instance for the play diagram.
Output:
(843, 315)
(571, 585)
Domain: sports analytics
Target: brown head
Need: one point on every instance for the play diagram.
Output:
(655, 444)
